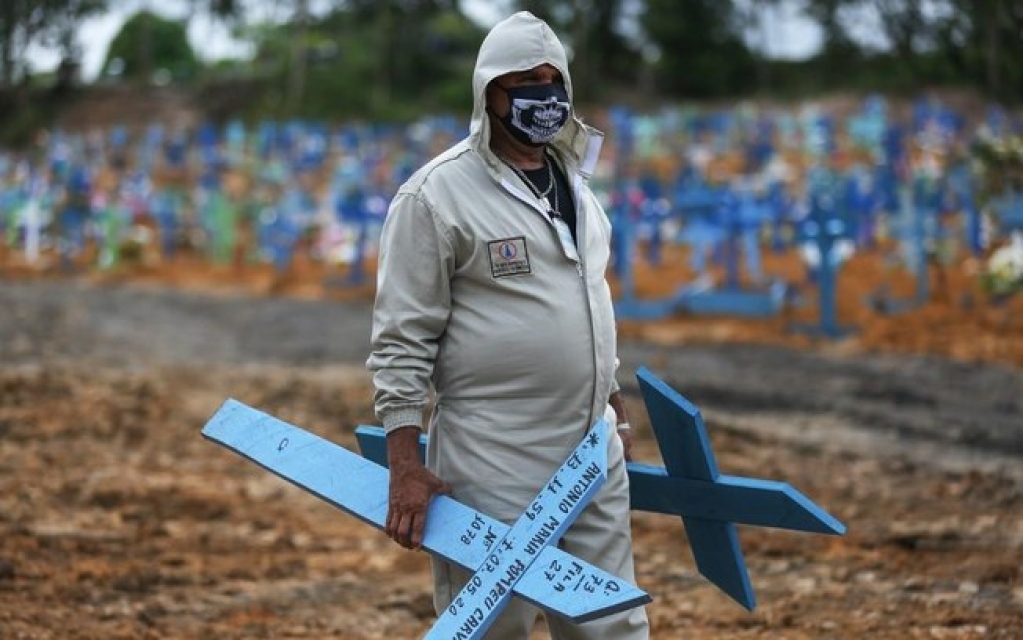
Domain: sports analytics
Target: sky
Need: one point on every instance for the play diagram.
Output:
(788, 34)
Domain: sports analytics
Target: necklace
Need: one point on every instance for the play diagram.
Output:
(554, 211)
(532, 187)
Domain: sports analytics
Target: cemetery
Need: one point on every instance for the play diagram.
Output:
(837, 296)
(816, 267)
(793, 224)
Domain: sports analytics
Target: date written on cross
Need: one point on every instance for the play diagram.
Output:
(520, 560)
(546, 519)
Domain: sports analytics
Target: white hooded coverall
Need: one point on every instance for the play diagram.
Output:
(478, 299)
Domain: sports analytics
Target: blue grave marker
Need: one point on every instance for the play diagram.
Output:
(278, 233)
(759, 146)
(862, 203)
(60, 155)
(866, 129)
(818, 134)
(823, 231)
(917, 227)
(1009, 210)
(696, 203)
(690, 486)
(313, 147)
(149, 147)
(628, 306)
(738, 218)
(701, 235)
(235, 137)
(361, 208)
(996, 122)
(164, 207)
(780, 208)
(118, 140)
(962, 196)
(894, 154)
(743, 217)
(37, 214)
(74, 215)
(522, 557)
(175, 150)
(713, 218)
(266, 137)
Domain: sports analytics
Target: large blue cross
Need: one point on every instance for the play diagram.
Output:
(522, 559)
(690, 486)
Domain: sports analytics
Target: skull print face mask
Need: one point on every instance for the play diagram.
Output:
(538, 112)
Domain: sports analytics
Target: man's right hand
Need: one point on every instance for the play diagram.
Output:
(411, 487)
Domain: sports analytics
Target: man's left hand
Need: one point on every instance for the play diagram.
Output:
(626, 436)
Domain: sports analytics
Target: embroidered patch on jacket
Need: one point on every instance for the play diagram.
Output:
(508, 257)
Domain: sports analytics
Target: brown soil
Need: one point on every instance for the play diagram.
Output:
(117, 520)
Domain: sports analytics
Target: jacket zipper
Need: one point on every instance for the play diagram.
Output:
(581, 230)
(580, 270)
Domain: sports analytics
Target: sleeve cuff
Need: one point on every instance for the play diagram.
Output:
(400, 418)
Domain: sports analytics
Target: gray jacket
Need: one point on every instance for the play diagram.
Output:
(478, 301)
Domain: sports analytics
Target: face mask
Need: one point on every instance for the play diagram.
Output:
(537, 114)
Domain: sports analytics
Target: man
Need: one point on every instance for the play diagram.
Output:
(491, 292)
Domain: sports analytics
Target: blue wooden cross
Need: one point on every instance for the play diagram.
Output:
(739, 217)
(1009, 208)
(545, 520)
(522, 559)
(824, 229)
(690, 486)
(710, 504)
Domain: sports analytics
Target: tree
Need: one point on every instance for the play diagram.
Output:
(755, 18)
(390, 59)
(702, 53)
(148, 42)
(297, 68)
(987, 35)
(840, 53)
(61, 29)
(20, 23)
(49, 22)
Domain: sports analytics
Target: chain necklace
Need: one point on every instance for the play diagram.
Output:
(532, 187)
(542, 195)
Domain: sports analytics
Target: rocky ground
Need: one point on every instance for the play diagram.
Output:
(117, 520)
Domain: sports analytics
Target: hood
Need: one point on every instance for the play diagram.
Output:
(518, 43)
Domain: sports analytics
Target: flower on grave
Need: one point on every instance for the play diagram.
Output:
(1003, 275)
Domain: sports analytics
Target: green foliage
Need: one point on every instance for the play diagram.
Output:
(46, 22)
(702, 54)
(20, 126)
(398, 59)
(997, 163)
(378, 60)
(147, 43)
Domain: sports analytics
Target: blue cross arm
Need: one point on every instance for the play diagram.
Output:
(749, 501)
(556, 581)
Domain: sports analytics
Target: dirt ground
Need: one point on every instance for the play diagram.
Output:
(117, 520)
